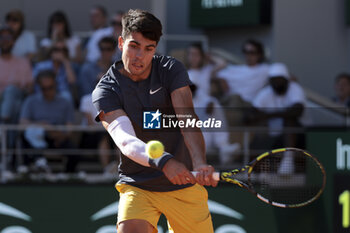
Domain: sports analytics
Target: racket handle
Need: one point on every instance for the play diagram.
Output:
(216, 175)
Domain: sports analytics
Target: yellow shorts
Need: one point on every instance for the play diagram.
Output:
(186, 209)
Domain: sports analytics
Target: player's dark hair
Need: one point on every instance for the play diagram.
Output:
(109, 40)
(143, 22)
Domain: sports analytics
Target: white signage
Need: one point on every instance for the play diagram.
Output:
(343, 155)
(210, 4)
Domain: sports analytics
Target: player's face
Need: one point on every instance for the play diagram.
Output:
(137, 54)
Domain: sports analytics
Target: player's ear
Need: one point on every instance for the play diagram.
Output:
(120, 43)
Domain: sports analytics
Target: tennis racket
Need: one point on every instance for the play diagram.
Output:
(287, 177)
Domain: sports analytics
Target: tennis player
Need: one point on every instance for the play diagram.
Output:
(150, 187)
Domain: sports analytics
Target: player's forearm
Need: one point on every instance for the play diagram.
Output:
(195, 143)
(124, 136)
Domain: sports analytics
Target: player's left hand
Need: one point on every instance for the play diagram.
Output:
(205, 175)
(177, 173)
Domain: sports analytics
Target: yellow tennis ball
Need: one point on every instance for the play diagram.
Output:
(154, 149)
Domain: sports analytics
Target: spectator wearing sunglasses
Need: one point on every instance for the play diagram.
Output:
(245, 80)
(64, 69)
(15, 78)
(240, 83)
(92, 49)
(58, 30)
(25, 41)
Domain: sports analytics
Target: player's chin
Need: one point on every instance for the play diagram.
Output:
(137, 72)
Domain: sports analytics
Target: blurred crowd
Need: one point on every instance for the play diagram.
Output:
(49, 82)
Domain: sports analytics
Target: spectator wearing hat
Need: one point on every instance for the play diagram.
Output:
(25, 41)
(15, 78)
(280, 104)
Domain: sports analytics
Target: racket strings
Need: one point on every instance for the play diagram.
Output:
(288, 177)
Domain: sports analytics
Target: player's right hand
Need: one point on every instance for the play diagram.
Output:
(204, 175)
(177, 173)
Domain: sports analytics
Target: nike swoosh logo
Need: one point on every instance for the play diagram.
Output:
(166, 63)
(152, 92)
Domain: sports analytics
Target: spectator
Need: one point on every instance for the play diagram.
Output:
(208, 107)
(64, 69)
(91, 72)
(279, 105)
(98, 17)
(98, 20)
(241, 83)
(59, 30)
(92, 50)
(244, 81)
(15, 78)
(25, 45)
(198, 69)
(47, 109)
(342, 89)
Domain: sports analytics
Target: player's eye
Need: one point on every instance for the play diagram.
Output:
(149, 49)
